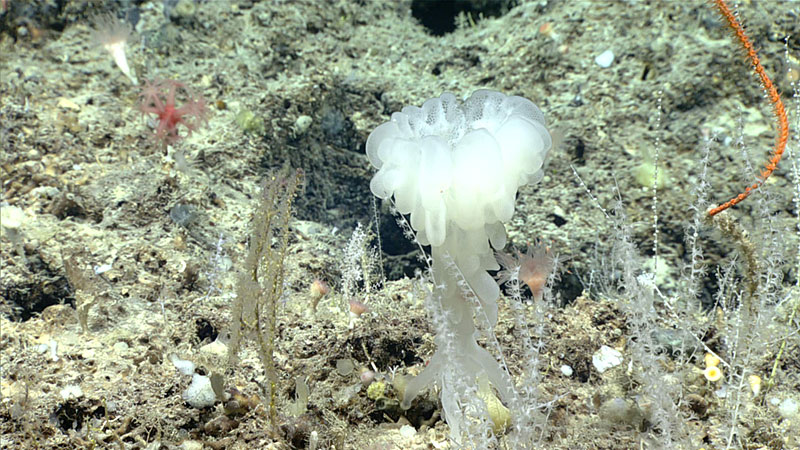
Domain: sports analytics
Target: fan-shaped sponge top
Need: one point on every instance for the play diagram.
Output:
(454, 164)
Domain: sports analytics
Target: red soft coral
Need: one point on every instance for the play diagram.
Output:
(158, 98)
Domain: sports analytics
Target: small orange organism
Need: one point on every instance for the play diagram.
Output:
(532, 268)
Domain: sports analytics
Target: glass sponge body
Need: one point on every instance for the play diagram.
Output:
(450, 163)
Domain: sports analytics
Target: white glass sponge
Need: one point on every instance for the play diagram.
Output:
(458, 164)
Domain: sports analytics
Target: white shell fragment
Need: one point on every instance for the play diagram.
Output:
(605, 59)
(71, 392)
(606, 358)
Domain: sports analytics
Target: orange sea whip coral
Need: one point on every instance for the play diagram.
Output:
(774, 97)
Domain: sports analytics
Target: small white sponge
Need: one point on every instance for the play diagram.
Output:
(449, 163)
(200, 394)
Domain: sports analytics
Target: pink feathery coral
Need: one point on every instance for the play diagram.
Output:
(159, 99)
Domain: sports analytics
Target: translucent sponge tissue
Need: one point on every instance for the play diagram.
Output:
(451, 163)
